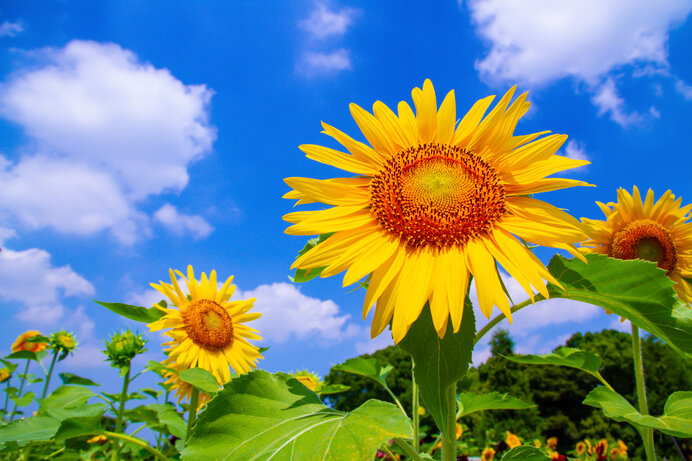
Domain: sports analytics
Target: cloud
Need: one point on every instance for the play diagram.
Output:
(94, 109)
(370, 345)
(684, 89)
(29, 278)
(324, 23)
(10, 29)
(575, 151)
(537, 42)
(181, 224)
(314, 63)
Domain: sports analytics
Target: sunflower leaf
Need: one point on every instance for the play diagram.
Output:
(136, 313)
(676, 419)
(471, 403)
(23, 355)
(636, 290)
(159, 417)
(201, 379)
(564, 356)
(69, 378)
(525, 453)
(29, 430)
(330, 389)
(370, 368)
(305, 275)
(265, 416)
(440, 363)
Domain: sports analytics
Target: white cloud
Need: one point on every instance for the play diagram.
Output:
(314, 63)
(608, 101)
(575, 151)
(616, 324)
(536, 42)
(94, 109)
(370, 345)
(289, 314)
(10, 29)
(323, 22)
(28, 277)
(181, 224)
(684, 89)
(146, 298)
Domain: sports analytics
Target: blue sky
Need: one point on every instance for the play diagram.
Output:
(138, 136)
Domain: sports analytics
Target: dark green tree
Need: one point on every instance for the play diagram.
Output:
(501, 344)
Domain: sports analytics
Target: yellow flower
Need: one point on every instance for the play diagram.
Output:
(622, 447)
(208, 330)
(21, 345)
(309, 380)
(581, 448)
(537, 443)
(433, 203)
(614, 452)
(488, 454)
(657, 232)
(4, 374)
(63, 340)
(421, 411)
(552, 443)
(100, 439)
(460, 431)
(512, 440)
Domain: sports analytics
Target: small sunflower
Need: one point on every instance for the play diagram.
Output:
(207, 329)
(552, 443)
(488, 454)
(580, 448)
(433, 203)
(21, 344)
(460, 431)
(622, 446)
(308, 379)
(512, 440)
(5, 374)
(63, 340)
(636, 229)
(100, 439)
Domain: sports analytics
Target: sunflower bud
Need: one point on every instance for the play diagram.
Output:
(5, 374)
(123, 347)
(63, 341)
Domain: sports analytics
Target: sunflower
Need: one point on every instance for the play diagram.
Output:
(432, 203)
(512, 440)
(20, 344)
(658, 232)
(580, 448)
(488, 454)
(308, 379)
(182, 389)
(207, 329)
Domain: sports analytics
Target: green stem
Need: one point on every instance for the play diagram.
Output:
(401, 407)
(386, 449)
(55, 453)
(50, 372)
(414, 411)
(646, 432)
(21, 387)
(7, 399)
(137, 442)
(410, 452)
(138, 429)
(501, 317)
(449, 447)
(599, 377)
(192, 415)
(119, 417)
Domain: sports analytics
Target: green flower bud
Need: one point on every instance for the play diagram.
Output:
(123, 347)
(63, 341)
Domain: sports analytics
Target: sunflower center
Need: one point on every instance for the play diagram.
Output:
(208, 324)
(645, 239)
(438, 195)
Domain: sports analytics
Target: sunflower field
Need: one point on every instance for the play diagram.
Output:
(433, 202)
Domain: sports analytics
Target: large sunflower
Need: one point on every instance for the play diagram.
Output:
(207, 329)
(434, 202)
(658, 232)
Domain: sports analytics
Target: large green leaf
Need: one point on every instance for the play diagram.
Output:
(261, 416)
(23, 355)
(69, 378)
(136, 313)
(676, 419)
(159, 417)
(440, 363)
(24, 400)
(201, 379)
(330, 389)
(65, 397)
(564, 356)
(636, 290)
(29, 430)
(525, 453)
(471, 403)
(370, 368)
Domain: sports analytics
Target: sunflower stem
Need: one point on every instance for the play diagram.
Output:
(192, 412)
(21, 387)
(501, 317)
(410, 452)
(449, 447)
(414, 410)
(119, 417)
(50, 372)
(646, 432)
(7, 399)
(137, 442)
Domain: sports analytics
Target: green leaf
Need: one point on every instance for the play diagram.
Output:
(676, 419)
(79, 426)
(23, 355)
(370, 368)
(65, 397)
(304, 275)
(471, 403)
(636, 290)
(161, 418)
(330, 389)
(440, 363)
(29, 430)
(525, 453)
(38, 339)
(263, 349)
(24, 400)
(69, 378)
(564, 356)
(153, 393)
(160, 368)
(201, 379)
(11, 366)
(136, 313)
(262, 416)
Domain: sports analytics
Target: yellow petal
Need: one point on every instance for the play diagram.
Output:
(338, 159)
(360, 151)
(426, 111)
(447, 119)
(372, 129)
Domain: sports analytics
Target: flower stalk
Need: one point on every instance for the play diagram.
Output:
(646, 432)
(21, 387)
(414, 411)
(50, 372)
(121, 409)
(449, 446)
(192, 412)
